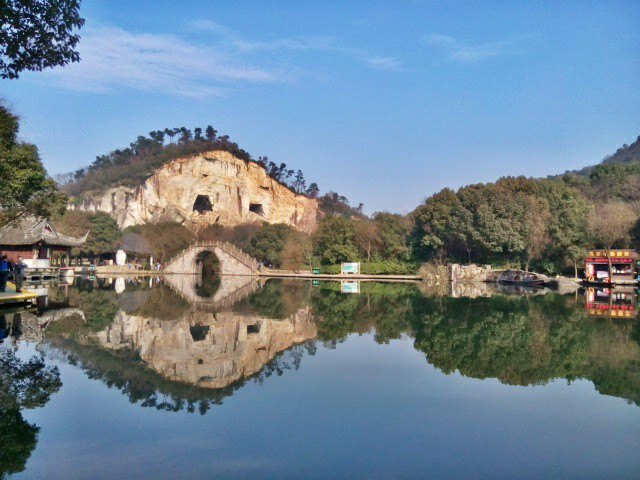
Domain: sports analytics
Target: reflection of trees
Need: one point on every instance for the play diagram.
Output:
(207, 286)
(99, 306)
(524, 341)
(509, 340)
(276, 299)
(385, 307)
(22, 385)
(163, 304)
(122, 370)
(518, 340)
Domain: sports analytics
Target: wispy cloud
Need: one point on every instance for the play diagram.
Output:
(384, 63)
(317, 43)
(462, 52)
(113, 59)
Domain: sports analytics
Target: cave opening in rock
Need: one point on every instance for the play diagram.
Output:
(199, 332)
(256, 208)
(202, 204)
(255, 328)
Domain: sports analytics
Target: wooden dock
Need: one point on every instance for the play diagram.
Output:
(11, 297)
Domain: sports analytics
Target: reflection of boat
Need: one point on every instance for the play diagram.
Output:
(520, 277)
(519, 289)
(619, 302)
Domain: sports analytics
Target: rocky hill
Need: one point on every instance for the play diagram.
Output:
(624, 155)
(208, 188)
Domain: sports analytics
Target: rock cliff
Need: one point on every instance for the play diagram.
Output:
(204, 349)
(205, 189)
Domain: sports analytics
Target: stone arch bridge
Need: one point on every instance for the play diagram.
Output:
(232, 260)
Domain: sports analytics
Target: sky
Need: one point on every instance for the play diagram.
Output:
(383, 102)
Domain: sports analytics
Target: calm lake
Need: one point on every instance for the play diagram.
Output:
(179, 378)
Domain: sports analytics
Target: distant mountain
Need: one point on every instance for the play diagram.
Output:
(624, 155)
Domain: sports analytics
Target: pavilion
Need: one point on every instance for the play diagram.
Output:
(37, 241)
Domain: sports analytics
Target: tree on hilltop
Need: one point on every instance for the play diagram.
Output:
(210, 133)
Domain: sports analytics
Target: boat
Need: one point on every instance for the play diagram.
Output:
(520, 277)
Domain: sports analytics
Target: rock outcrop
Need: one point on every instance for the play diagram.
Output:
(204, 349)
(205, 189)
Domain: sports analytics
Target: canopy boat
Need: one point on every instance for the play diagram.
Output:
(623, 269)
(520, 277)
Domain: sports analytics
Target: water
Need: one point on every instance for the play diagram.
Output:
(291, 379)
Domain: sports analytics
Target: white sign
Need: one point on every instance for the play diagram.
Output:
(349, 287)
(350, 268)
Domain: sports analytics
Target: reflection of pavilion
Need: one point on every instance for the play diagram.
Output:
(618, 302)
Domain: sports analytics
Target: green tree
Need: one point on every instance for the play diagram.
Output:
(443, 225)
(394, 230)
(568, 221)
(165, 238)
(210, 133)
(104, 233)
(25, 189)
(269, 241)
(312, 190)
(334, 240)
(38, 34)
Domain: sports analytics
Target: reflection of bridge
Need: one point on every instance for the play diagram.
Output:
(233, 261)
(232, 288)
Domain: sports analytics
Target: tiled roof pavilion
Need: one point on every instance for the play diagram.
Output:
(31, 230)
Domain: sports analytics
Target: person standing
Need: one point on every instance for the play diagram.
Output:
(3, 327)
(5, 268)
(18, 273)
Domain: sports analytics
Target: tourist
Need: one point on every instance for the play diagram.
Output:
(18, 273)
(5, 268)
(3, 328)
(16, 327)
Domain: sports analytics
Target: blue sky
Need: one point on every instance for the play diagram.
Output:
(384, 102)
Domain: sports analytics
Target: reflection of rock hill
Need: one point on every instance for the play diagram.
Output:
(206, 189)
(206, 350)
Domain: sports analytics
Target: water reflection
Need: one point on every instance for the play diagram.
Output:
(621, 302)
(151, 342)
(24, 384)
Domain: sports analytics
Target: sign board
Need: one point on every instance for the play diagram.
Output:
(349, 287)
(350, 268)
(316, 271)
(315, 283)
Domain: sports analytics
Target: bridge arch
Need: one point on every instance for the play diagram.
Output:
(231, 260)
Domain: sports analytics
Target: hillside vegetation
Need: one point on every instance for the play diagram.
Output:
(544, 223)
(132, 165)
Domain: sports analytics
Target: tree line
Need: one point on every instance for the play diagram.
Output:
(132, 165)
(548, 224)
